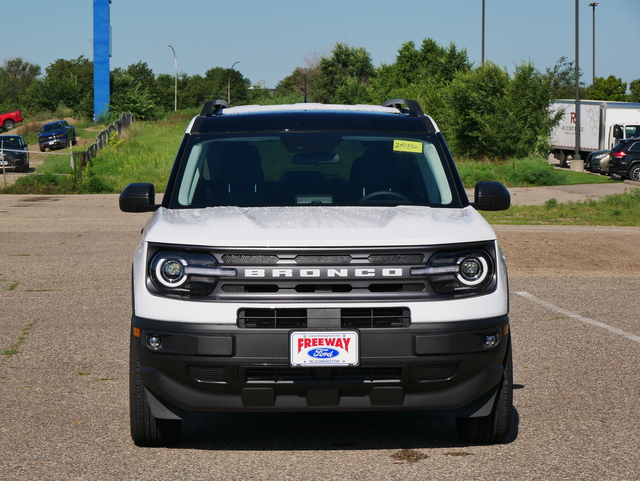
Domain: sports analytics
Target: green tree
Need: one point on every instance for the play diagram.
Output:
(129, 94)
(196, 92)
(296, 82)
(496, 116)
(16, 76)
(610, 88)
(421, 73)
(67, 83)
(634, 88)
(562, 80)
(345, 66)
(476, 102)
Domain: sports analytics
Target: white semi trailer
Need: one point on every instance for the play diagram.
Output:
(602, 125)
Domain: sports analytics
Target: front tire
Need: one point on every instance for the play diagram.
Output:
(147, 431)
(495, 427)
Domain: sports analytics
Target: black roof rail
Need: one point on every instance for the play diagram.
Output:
(213, 107)
(413, 107)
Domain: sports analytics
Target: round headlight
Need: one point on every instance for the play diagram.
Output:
(473, 270)
(170, 272)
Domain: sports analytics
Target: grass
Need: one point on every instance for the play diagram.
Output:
(526, 172)
(612, 210)
(13, 350)
(145, 153)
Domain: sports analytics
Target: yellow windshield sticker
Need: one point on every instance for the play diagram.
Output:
(407, 146)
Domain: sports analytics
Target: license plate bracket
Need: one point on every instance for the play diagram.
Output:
(324, 348)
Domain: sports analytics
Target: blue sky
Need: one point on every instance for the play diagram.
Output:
(271, 38)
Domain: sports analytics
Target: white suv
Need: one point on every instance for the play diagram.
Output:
(318, 258)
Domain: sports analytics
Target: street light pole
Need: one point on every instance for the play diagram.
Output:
(482, 61)
(229, 83)
(593, 5)
(175, 63)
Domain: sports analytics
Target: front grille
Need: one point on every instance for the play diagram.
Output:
(272, 318)
(248, 259)
(375, 318)
(350, 318)
(324, 288)
(276, 375)
(366, 275)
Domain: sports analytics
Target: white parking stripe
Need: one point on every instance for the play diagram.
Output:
(580, 318)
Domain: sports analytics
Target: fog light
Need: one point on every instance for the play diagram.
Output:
(491, 341)
(154, 342)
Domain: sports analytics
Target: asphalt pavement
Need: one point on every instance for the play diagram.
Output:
(64, 317)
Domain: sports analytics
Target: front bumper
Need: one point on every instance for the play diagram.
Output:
(53, 143)
(228, 368)
(15, 162)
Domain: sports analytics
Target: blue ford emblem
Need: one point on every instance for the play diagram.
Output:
(323, 352)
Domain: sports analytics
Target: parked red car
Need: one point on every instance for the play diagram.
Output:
(10, 119)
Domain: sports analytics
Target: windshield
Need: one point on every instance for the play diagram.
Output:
(311, 168)
(52, 127)
(10, 143)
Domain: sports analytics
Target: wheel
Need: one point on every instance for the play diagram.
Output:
(634, 173)
(493, 428)
(42, 149)
(9, 125)
(388, 193)
(147, 431)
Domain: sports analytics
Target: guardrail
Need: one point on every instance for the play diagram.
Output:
(102, 140)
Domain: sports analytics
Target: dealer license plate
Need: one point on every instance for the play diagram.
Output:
(336, 348)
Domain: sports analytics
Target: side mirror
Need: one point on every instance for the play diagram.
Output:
(138, 197)
(617, 132)
(491, 196)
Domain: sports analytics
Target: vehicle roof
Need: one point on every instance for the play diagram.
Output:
(312, 117)
(304, 107)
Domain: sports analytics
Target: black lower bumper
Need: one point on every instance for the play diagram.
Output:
(226, 368)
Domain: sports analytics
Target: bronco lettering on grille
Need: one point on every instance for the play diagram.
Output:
(327, 273)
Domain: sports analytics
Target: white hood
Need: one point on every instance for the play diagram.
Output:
(302, 226)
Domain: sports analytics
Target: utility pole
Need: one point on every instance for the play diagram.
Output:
(577, 163)
(482, 61)
(593, 5)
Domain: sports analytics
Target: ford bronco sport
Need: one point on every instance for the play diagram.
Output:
(318, 258)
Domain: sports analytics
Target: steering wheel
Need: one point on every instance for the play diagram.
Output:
(388, 193)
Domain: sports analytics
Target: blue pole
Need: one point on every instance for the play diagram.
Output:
(101, 57)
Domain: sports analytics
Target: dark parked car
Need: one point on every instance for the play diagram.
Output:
(625, 159)
(598, 161)
(14, 153)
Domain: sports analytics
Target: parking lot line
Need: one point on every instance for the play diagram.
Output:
(578, 317)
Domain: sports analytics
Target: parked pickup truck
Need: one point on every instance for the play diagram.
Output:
(56, 135)
(9, 120)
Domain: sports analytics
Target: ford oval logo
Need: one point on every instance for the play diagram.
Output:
(323, 352)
